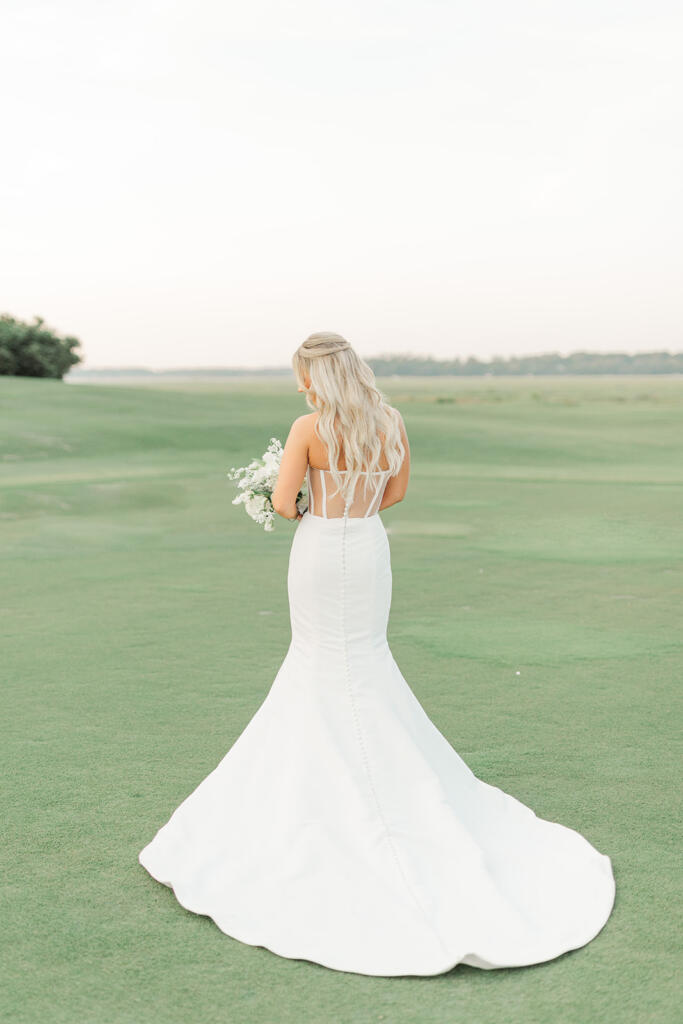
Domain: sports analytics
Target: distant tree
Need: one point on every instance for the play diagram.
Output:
(543, 364)
(33, 350)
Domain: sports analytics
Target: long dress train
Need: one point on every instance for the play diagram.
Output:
(342, 827)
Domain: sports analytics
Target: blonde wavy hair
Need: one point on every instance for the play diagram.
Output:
(353, 413)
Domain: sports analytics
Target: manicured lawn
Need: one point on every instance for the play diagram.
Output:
(144, 619)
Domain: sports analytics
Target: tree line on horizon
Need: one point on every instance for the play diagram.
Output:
(550, 363)
(35, 350)
(545, 363)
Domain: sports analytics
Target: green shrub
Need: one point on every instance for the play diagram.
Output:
(33, 350)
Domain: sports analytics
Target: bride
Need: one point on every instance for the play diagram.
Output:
(342, 827)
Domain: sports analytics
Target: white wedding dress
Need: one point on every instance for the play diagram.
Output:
(342, 827)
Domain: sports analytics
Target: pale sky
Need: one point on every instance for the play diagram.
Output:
(205, 183)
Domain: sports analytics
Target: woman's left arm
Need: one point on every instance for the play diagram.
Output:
(292, 469)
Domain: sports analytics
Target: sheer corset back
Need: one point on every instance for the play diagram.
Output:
(326, 504)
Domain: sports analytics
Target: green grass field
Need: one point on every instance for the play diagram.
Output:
(144, 619)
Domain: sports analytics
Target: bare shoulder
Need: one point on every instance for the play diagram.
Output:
(301, 433)
(304, 424)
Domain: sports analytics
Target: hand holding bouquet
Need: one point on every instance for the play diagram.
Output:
(256, 483)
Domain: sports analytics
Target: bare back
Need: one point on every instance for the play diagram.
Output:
(318, 457)
(324, 500)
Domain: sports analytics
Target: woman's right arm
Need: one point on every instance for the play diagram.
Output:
(398, 485)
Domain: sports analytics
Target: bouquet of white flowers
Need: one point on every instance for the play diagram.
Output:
(256, 483)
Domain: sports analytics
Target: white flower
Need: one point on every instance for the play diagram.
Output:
(256, 483)
(255, 504)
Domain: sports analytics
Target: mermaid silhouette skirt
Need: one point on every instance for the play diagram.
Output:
(343, 828)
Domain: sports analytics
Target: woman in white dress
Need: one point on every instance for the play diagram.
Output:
(342, 827)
